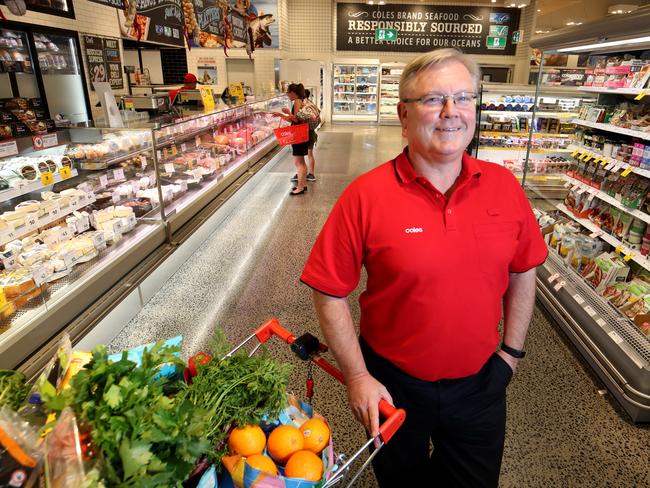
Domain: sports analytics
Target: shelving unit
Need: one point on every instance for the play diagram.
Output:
(354, 92)
(613, 129)
(389, 93)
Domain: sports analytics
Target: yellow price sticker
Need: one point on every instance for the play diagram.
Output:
(47, 178)
(65, 172)
(589, 157)
(619, 249)
(640, 95)
(573, 154)
(600, 160)
(627, 257)
(627, 171)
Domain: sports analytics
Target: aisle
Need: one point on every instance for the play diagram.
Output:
(561, 431)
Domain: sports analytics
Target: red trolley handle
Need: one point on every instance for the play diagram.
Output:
(394, 416)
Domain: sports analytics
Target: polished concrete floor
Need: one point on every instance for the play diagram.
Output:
(563, 430)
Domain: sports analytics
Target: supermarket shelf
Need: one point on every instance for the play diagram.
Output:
(611, 240)
(622, 164)
(344, 93)
(32, 187)
(535, 134)
(601, 195)
(98, 165)
(519, 149)
(612, 128)
(615, 91)
(36, 223)
(538, 114)
(343, 101)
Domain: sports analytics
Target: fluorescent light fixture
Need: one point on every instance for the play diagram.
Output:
(599, 45)
(494, 1)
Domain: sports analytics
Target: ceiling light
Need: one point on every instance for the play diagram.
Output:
(571, 22)
(494, 1)
(539, 9)
(588, 47)
(370, 2)
(621, 8)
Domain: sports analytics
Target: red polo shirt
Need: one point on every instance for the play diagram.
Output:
(437, 269)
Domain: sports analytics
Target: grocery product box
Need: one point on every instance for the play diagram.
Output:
(606, 270)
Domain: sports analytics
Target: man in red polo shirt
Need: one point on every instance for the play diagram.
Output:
(449, 243)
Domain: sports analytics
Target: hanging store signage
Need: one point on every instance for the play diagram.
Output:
(104, 60)
(159, 21)
(421, 28)
(386, 35)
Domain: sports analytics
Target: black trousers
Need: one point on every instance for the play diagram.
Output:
(463, 418)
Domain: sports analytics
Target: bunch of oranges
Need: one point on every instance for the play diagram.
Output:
(297, 450)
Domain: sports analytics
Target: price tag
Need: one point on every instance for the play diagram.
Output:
(9, 148)
(31, 220)
(143, 161)
(601, 322)
(619, 249)
(615, 337)
(582, 156)
(69, 258)
(65, 233)
(183, 147)
(47, 178)
(599, 159)
(131, 220)
(103, 181)
(99, 240)
(51, 239)
(65, 172)
(627, 257)
(54, 213)
(118, 173)
(582, 190)
(135, 184)
(44, 141)
(567, 184)
(553, 277)
(82, 224)
(40, 275)
(596, 233)
(640, 95)
(617, 165)
(590, 197)
(579, 300)
(574, 153)
(8, 260)
(627, 171)
(610, 165)
(589, 157)
(590, 311)
(559, 285)
(116, 197)
(169, 168)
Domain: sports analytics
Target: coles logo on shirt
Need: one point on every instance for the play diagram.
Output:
(414, 230)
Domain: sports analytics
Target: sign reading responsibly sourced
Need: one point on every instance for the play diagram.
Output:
(104, 61)
(421, 28)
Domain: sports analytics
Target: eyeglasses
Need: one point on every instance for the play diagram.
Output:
(436, 101)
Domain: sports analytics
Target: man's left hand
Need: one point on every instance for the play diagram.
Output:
(512, 362)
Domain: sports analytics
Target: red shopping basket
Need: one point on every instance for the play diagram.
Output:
(292, 134)
(309, 348)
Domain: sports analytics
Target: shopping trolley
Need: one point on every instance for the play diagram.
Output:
(309, 348)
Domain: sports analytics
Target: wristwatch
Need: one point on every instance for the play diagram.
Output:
(515, 353)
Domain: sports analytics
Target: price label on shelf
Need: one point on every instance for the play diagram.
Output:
(7, 149)
(31, 220)
(596, 233)
(615, 337)
(143, 161)
(103, 181)
(169, 168)
(118, 174)
(40, 275)
(601, 322)
(47, 178)
(553, 277)
(115, 197)
(8, 260)
(183, 147)
(627, 171)
(590, 197)
(65, 233)
(567, 184)
(619, 249)
(582, 156)
(582, 190)
(640, 95)
(610, 165)
(579, 300)
(589, 157)
(65, 172)
(599, 160)
(197, 141)
(575, 153)
(590, 311)
(627, 257)
(559, 285)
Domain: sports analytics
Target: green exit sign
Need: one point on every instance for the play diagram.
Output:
(386, 35)
(494, 42)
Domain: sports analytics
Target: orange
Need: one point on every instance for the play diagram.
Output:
(305, 465)
(283, 442)
(247, 441)
(316, 434)
(262, 463)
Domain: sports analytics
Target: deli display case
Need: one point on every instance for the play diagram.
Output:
(389, 93)
(354, 92)
(596, 281)
(81, 207)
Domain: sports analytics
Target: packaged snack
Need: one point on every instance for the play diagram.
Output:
(605, 270)
(623, 225)
(20, 451)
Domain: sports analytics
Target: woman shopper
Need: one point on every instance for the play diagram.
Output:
(313, 138)
(296, 93)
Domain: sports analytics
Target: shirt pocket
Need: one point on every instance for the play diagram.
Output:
(496, 245)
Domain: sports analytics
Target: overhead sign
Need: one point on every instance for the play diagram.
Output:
(386, 35)
(421, 28)
(104, 60)
(159, 21)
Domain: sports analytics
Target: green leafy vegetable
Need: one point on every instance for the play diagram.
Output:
(145, 438)
(237, 390)
(13, 389)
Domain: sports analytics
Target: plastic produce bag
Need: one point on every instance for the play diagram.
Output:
(21, 452)
(63, 454)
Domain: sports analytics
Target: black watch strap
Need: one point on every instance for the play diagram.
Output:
(515, 353)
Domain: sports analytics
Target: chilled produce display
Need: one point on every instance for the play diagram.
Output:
(389, 93)
(355, 92)
(618, 71)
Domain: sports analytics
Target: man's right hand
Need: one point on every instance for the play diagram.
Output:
(364, 394)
